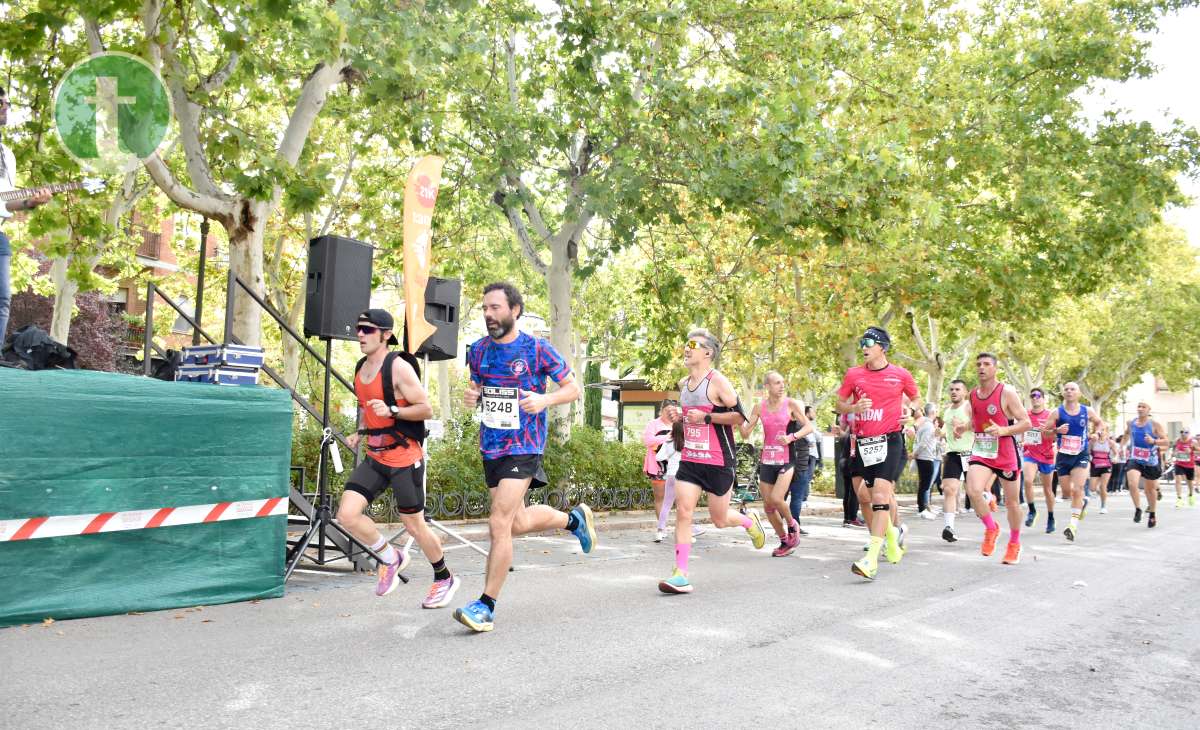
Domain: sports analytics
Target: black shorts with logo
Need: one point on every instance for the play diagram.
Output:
(892, 465)
(716, 480)
(952, 465)
(371, 479)
(1148, 471)
(1004, 475)
(1187, 472)
(517, 466)
(1101, 470)
(769, 473)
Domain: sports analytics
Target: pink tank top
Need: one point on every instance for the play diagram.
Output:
(705, 443)
(775, 423)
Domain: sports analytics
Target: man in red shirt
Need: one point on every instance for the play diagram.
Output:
(998, 416)
(875, 393)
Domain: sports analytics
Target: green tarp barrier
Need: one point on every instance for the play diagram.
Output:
(81, 442)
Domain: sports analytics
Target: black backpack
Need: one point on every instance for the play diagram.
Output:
(401, 430)
(32, 349)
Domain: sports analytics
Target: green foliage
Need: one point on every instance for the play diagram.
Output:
(587, 460)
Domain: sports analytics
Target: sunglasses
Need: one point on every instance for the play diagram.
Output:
(366, 329)
(1035, 395)
(693, 345)
(869, 342)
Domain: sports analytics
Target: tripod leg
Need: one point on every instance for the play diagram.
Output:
(298, 550)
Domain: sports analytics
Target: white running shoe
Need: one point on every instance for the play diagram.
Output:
(697, 530)
(928, 515)
(658, 536)
(1104, 510)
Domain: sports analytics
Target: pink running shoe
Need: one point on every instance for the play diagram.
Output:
(388, 578)
(785, 548)
(441, 592)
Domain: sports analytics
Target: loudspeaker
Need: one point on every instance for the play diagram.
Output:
(442, 297)
(338, 287)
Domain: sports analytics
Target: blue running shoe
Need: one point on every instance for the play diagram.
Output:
(475, 616)
(586, 531)
(1031, 516)
(1049, 523)
(677, 583)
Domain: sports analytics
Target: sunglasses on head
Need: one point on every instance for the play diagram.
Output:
(366, 329)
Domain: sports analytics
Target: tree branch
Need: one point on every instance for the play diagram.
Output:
(341, 188)
(217, 78)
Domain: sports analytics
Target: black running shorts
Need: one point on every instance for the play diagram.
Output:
(1148, 471)
(769, 473)
(371, 479)
(892, 465)
(953, 465)
(716, 480)
(517, 466)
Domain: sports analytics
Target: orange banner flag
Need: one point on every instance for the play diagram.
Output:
(419, 197)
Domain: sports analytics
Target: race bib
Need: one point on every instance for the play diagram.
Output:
(501, 409)
(986, 446)
(696, 436)
(774, 454)
(1141, 453)
(1070, 445)
(1033, 438)
(1184, 456)
(873, 450)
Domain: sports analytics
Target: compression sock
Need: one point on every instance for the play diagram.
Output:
(683, 551)
(440, 571)
(988, 522)
(1014, 535)
(488, 601)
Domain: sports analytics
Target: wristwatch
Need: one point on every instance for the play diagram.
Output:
(395, 411)
(708, 418)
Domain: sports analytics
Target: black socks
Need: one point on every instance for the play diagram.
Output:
(572, 521)
(488, 601)
(440, 572)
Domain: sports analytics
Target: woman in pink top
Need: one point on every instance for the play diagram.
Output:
(776, 467)
(657, 433)
(1103, 447)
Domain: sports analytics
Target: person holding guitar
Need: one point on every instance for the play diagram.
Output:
(8, 171)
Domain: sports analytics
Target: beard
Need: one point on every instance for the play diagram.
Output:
(499, 328)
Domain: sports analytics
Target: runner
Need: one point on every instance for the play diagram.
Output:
(1185, 468)
(1117, 483)
(994, 454)
(1072, 422)
(508, 379)
(1142, 467)
(875, 393)
(394, 458)
(1038, 458)
(1103, 449)
(776, 465)
(958, 451)
(656, 433)
(709, 408)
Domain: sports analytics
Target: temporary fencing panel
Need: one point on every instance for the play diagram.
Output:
(121, 493)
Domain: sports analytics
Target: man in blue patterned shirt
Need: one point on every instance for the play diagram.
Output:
(508, 382)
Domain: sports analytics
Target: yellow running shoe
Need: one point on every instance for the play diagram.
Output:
(757, 536)
(866, 568)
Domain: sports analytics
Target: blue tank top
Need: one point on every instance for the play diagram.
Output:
(1139, 450)
(1075, 440)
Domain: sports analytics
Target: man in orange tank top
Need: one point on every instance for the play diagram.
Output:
(392, 461)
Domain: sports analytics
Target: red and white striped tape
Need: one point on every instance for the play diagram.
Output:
(32, 528)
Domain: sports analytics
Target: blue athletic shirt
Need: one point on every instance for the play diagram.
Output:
(1076, 437)
(1139, 450)
(524, 364)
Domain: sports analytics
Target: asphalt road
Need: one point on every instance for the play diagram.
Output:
(1102, 632)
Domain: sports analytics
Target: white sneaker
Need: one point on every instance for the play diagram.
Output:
(697, 530)
(928, 515)
(1104, 510)
(658, 536)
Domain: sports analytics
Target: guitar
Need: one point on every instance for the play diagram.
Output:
(92, 185)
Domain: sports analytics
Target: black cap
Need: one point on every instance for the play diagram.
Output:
(381, 319)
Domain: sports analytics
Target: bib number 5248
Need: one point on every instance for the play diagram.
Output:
(500, 408)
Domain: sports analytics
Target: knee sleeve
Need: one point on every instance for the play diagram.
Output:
(880, 507)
